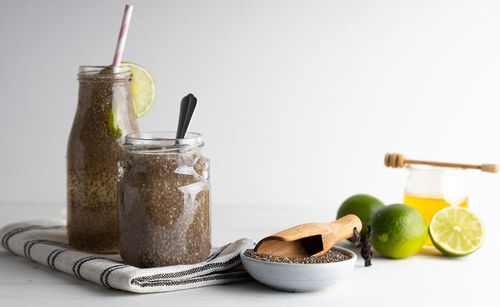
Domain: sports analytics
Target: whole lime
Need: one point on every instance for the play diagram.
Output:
(363, 206)
(399, 231)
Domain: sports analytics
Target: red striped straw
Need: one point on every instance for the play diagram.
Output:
(127, 14)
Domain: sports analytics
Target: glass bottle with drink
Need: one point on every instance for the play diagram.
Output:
(104, 116)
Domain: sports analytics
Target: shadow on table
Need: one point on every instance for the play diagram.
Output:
(424, 253)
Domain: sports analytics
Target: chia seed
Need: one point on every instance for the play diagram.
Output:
(331, 256)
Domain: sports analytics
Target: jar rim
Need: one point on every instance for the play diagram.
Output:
(435, 169)
(162, 141)
(86, 71)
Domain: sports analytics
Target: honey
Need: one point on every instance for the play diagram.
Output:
(428, 206)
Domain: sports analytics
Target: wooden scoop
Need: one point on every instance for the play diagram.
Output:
(398, 160)
(313, 239)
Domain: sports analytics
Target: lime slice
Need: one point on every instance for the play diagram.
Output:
(143, 88)
(456, 231)
(113, 125)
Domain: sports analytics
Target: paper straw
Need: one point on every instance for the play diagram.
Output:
(127, 14)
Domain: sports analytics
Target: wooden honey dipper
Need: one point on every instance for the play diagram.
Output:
(398, 160)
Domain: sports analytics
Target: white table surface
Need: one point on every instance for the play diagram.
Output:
(420, 280)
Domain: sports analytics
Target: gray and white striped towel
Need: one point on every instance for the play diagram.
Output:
(46, 242)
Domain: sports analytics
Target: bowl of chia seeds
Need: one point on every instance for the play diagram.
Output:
(299, 274)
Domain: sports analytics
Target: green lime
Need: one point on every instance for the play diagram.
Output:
(398, 231)
(363, 206)
(456, 231)
(113, 126)
(143, 88)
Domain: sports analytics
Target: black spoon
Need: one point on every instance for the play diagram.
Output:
(189, 114)
(182, 116)
(188, 104)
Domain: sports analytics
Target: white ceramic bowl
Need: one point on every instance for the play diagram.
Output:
(299, 277)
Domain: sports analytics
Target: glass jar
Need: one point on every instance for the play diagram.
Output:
(105, 114)
(430, 189)
(164, 200)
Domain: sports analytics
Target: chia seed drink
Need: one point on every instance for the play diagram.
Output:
(105, 114)
(164, 201)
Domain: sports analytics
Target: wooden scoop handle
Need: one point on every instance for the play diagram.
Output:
(398, 160)
(342, 229)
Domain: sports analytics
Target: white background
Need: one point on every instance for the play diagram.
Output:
(298, 100)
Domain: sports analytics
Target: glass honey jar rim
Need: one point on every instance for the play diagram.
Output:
(435, 169)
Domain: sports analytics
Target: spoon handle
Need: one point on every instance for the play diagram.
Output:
(189, 113)
(182, 117)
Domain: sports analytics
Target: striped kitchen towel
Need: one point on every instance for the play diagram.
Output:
(46, 242)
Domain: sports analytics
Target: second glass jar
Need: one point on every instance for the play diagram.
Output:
(163, 200)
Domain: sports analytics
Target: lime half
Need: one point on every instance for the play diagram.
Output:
(143, 88)
(456, 231)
